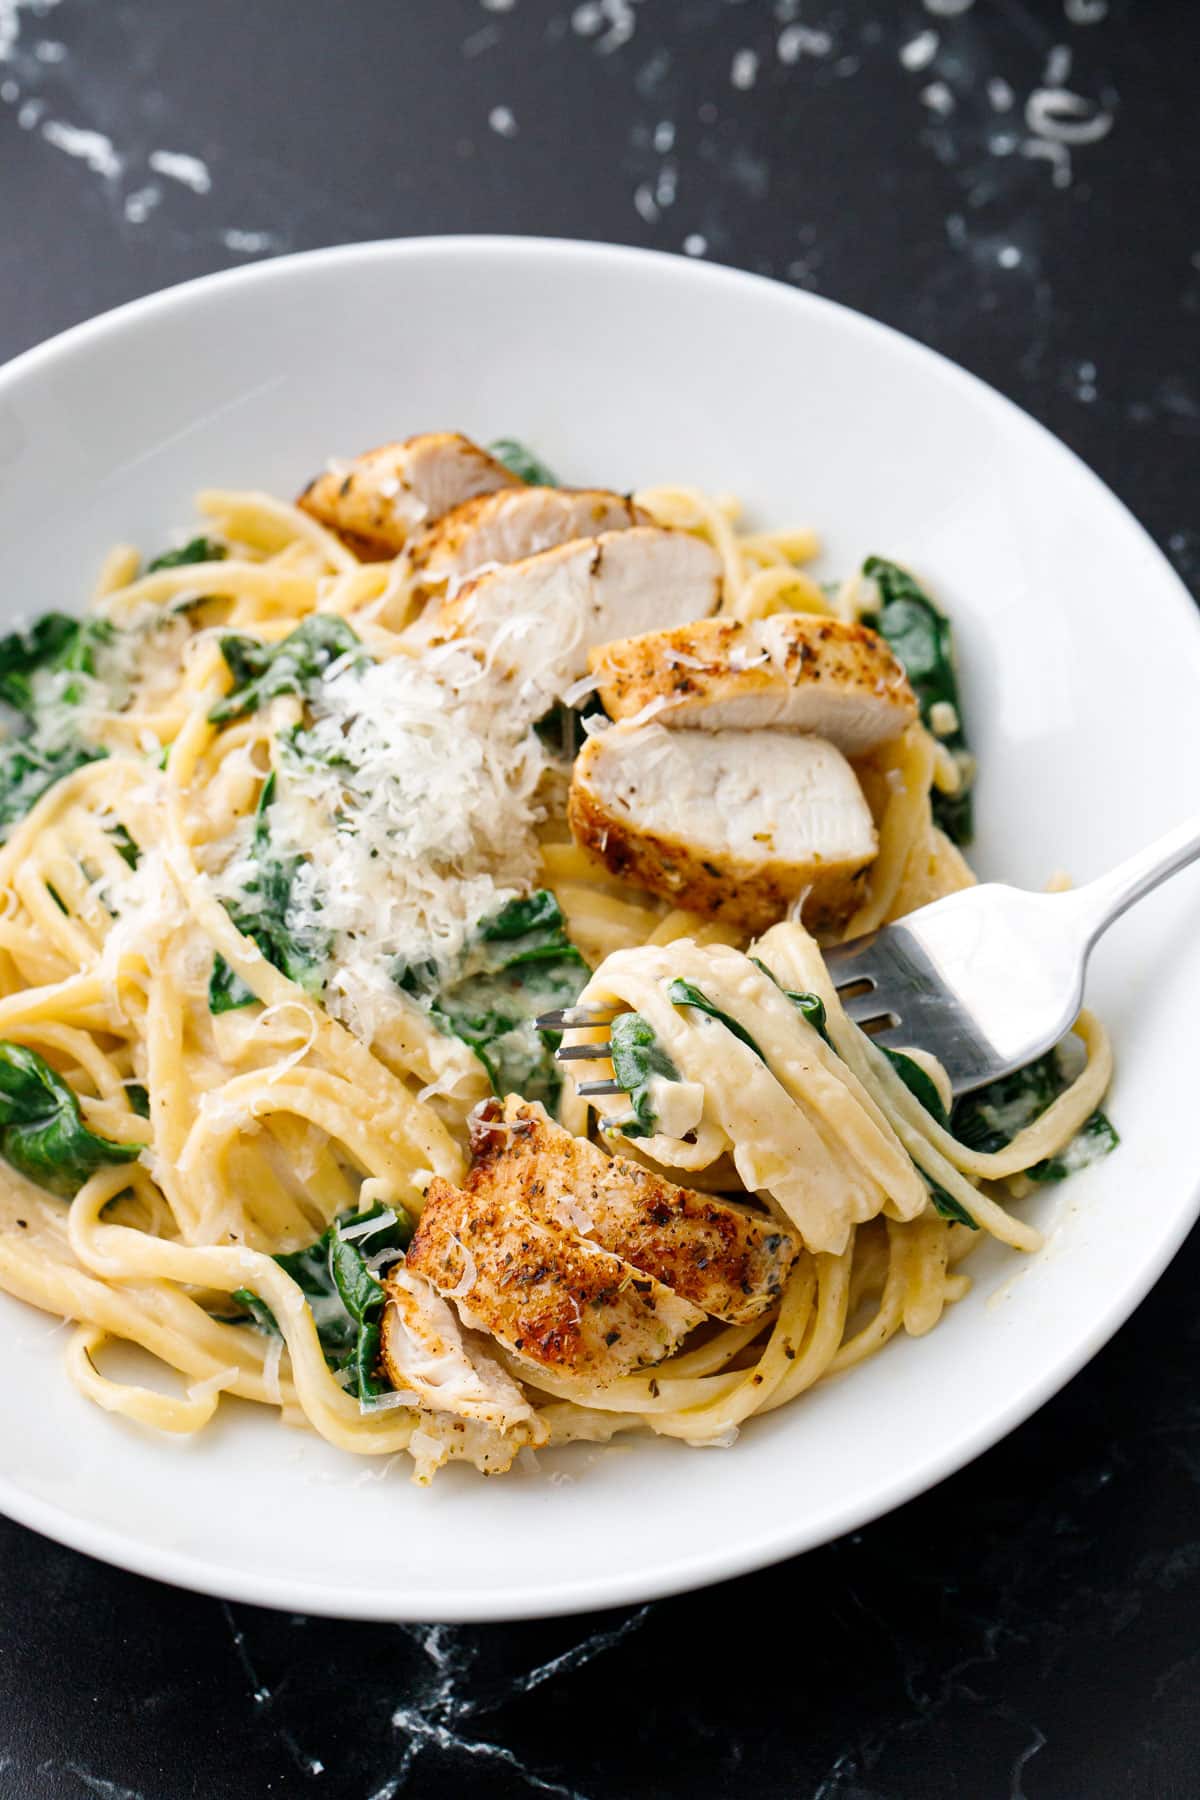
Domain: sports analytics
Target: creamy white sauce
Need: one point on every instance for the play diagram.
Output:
(799, 1128)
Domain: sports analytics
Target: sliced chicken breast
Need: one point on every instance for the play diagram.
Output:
(554, 1300)
(793, 672)
(377, 501)
(540, 617)
(441, 1438)
(424, 1353)
(726, 1258)
(734, 824)
(511, 524)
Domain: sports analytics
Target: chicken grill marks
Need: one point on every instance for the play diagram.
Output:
(511, 524)
(738, 802)
(376, 502)
(725, 1257)
(553, 1299)
(792, 671)
(587, 1266)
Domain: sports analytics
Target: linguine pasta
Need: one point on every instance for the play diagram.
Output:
(265, 1069)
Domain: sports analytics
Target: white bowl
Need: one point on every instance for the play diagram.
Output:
(1081, 662)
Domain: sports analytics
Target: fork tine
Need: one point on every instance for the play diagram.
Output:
(862, 1008)
(852, 962)
(565, 1017)
(599, 1087)
(893, 1037)
(582, 1052)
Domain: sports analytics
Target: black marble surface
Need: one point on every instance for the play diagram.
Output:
(1028, 1629)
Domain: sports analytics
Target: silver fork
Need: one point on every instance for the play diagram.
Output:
(986, 979)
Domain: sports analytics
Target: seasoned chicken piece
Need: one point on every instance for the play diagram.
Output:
(556, 1301)
(440, 1438)
(726, 1258)
(425, 1353)
(793, 671)
(377, 501)
(734, 824)
(540, 617)
(511, 524)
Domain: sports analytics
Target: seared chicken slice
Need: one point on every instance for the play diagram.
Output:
(793, 671)
(511, 524)
(724, 1257)
(377, 501)
(440, 1438)
(540, 617)
(556, 1301)
(424, 1353)
(734, 824)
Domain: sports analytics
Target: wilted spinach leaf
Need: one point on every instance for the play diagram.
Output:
(22, 653)
(27, 771)
(293, 666)
(919, 1084)
(519, 460)
(138, 1098)
(42, 1133)
(810, 1005)
(991, 1116)
(637, 1058)
(265, 914)
(1094, 1139)
(126, 849)
(920, 636)
(196, 550)
(521, 964)
(949, 1207)
(684, 993)
(343, 1294)
(54, 648)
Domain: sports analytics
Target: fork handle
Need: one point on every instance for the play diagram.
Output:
(1105, 899)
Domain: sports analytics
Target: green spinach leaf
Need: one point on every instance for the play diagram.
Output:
(226, 990)
(54, 645)
(266, 915)
(990, 1117)
(42, 1133)
(521, 964)
(36, 667)
(28, 771)
(260, 1313)
(637, 1058)
(296, 665)
(518, 459)
(949, 1207)
(683, 993)
(139, 1099)
(919, 1084)
(1095, 1138)
(345, 1297)
(127, 850)
(23, 653)
(810, 1005)
(196, 550)
(920, 637)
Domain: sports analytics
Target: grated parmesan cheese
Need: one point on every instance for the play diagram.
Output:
(411, 802)
(214, 1384)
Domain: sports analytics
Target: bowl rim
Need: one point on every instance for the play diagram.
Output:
(751, 1552)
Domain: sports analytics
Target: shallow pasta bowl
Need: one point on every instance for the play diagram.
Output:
(625, 369)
